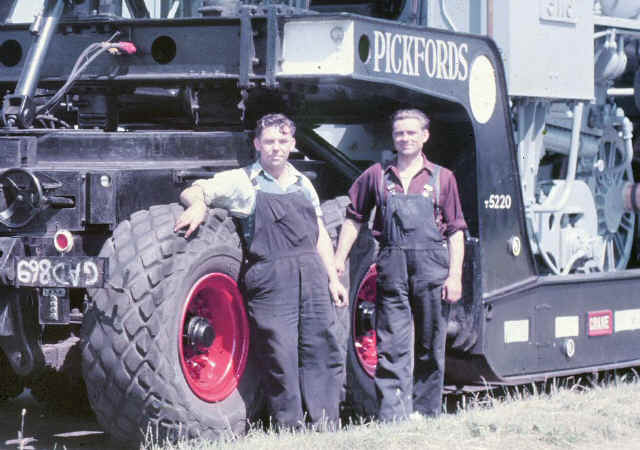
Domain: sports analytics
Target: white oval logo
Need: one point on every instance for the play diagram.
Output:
(482, 89)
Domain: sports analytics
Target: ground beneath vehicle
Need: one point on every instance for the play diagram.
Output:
(106, 119)
(45, 428)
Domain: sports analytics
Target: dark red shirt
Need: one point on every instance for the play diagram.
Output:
(364, 195)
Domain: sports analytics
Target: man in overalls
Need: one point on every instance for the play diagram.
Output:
(289, 276)
(419, 225)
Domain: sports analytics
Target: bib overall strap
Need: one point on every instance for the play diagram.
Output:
(385, 183)
(436, 183)
(247, 224)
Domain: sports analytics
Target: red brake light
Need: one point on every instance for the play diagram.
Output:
(63, 241)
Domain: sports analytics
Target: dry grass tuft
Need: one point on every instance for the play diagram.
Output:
(580, 413)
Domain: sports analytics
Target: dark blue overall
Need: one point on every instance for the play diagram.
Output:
(413, 264)
(291, 311)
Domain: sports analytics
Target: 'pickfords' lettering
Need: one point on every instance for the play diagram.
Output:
(418, 56)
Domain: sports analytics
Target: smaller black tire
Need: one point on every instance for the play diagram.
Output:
(361, 395)
(359, 398)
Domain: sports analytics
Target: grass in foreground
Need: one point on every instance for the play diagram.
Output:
(599, 416)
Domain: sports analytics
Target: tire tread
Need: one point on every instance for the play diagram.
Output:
(128, 375)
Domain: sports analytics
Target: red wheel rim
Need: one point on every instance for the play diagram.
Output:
(213, 372)
(364, 338)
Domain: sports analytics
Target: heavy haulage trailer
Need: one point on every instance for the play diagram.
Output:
(108, 113)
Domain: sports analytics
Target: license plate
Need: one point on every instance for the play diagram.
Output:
(57, 271)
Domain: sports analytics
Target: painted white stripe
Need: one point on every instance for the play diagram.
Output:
(567, 326)
(627, 319)
(516, 331)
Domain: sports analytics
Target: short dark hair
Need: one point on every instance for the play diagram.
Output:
(275, 120)
(402, 114)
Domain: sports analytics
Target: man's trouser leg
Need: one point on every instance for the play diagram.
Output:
(393, 332)
(273, 306)
(431, 317)
(320, 360)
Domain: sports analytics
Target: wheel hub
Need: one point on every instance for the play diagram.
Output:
(364, 333)
(200, 333)
(366, 316)
(214, 337)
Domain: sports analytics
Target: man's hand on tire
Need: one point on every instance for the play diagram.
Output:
(191, 218)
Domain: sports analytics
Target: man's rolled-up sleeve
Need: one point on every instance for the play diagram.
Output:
(208, 186)
(363, 197)
(230, 190)
(451, 207)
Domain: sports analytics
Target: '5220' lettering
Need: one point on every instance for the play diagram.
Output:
(498, 201)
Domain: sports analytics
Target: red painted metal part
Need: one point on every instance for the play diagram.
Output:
(600, 323)
(213, 372)
(365, 340)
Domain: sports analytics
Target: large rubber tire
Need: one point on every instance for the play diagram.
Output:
(130, 336)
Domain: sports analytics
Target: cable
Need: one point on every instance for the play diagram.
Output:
(52, 119)
(83, 61)
(73, 76)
